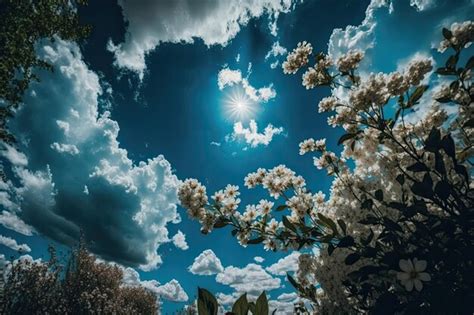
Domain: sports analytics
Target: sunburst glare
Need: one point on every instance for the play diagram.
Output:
(239, 106)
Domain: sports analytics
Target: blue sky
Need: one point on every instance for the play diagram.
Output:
(85, 128)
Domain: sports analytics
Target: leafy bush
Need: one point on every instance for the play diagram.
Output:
(396, 233)
(86, 287)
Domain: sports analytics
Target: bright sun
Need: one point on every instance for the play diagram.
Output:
(239, 105)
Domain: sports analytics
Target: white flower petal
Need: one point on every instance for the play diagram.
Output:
(409, 285)
(420, 265)
(424, 276)
(406, 265)
(403, 276)
(418, 284)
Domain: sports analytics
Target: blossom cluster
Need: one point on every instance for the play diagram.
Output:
(350, 61)
(389, 164)
(460, 34)
(297, 58)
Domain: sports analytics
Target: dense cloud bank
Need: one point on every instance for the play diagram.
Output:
(73, 175)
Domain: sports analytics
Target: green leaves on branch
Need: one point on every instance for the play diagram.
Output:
(208, 305)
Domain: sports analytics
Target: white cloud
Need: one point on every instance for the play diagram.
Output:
(251, 134)
(259, 259)
(206, 264)
(179, 240)
(10, 242)
(355, 37)
(14, 156)
(275, 51)
(215, 22)
(286, 264)
(418, 22)
(128, 205)
(422, 5)
(171, 291)
(228, 77)
(252, 279)
(65, 148)
(11, 221)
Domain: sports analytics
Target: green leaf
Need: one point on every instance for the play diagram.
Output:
(331, 249)
(221, 222)
(439, 163)
(328, 222)
(346, 241)
(368, 239)
(417, 95)
(469, 123)
(391, 225)
(367, 204)
(288, 224)
(447, 33)
(444, 99)
(207, 303)
(424, 188)
(433, 140)
(452, 61)
(370, 219)
(281, 207)
(252, 307)
(293, 282)
(448, 146)
(418, 167)
(470, 63)
(400, 179)
(461, 170)
(261, 306)
(346, 137)
(241, 306)
(342, 224)
(443, 189)
(352, 259)
(379, 195)
(445, 71)
(257, 240)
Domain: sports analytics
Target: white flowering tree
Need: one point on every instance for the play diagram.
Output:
(396, 232)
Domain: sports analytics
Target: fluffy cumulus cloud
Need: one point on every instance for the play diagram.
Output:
(395, 31)
(179, 240)
(10, 242)
(417, 23)
(13, 155)
(69, 145)
(284, 303)
(206, 264)
(11, 221)
(228, 77)
(252, 279)
(276, 51)
(286, 264)
(214, 22)
(258, 259)
(170, 291)
(251, 136)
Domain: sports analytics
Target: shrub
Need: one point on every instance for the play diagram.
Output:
(85, 287)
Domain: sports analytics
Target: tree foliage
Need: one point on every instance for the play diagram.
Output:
(85, 287)
(23, 23)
